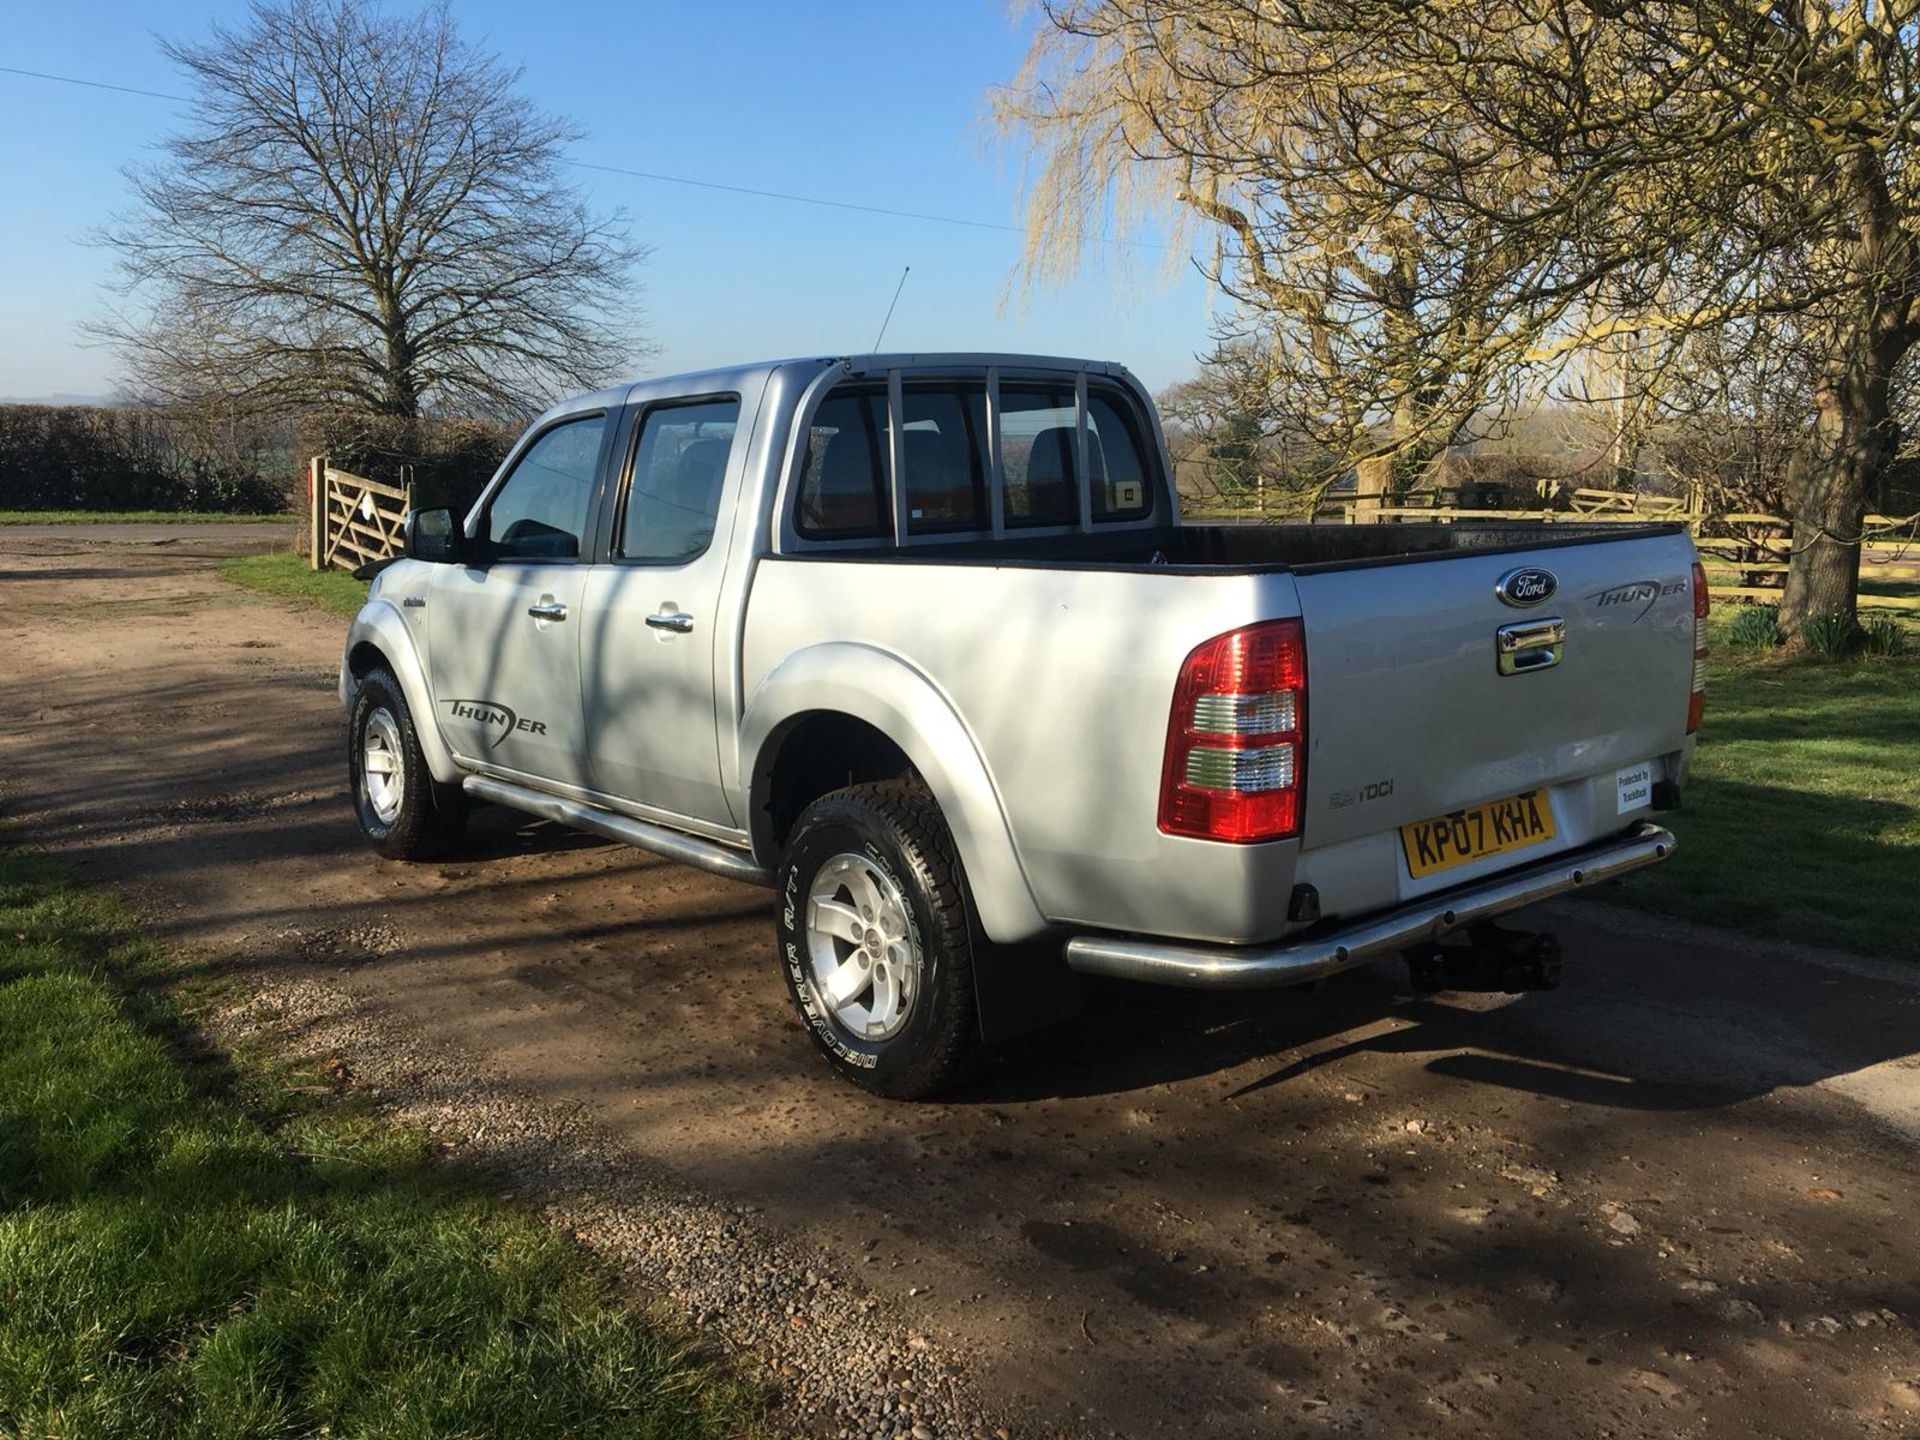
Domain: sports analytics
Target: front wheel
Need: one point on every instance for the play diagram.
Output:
(401, 808)
(875, 939)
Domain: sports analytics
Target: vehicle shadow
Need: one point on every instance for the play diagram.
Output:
(1627, 1029)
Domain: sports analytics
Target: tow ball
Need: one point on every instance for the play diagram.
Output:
(1492, 959)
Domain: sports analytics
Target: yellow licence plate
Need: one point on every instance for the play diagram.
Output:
(1473, 834)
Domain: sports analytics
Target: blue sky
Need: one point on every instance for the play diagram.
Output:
(873, 103)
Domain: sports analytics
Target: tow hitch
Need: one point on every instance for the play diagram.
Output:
(1492, 959)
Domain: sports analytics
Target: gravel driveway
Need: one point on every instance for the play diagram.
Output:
(1673, 1197)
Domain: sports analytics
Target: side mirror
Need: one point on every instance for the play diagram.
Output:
(436, 536)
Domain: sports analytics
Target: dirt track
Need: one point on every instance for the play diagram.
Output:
(1675, 1196)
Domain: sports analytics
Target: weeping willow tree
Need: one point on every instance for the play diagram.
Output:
(1422, 208)
(1351, 208)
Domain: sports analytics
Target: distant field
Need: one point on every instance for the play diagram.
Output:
(139, 517)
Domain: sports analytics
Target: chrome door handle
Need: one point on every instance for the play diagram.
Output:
(548, 610)
(676, 620)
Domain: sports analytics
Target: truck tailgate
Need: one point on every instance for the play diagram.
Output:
(1410, 716)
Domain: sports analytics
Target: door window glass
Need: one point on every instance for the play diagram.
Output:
(540, 510)
(678, 469)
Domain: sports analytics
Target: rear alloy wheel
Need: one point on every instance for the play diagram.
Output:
(401, 808)
(865, 962)
(875, 939)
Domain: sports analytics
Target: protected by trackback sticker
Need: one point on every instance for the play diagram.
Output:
(1635, 786)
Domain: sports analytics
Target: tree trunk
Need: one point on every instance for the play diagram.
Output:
(1854, 437)
(399, 375)
(1854, 433)
(1374, 478)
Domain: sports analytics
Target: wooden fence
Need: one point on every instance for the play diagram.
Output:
(1745, 555)
(354, 519)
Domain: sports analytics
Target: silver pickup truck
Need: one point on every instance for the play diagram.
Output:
(921, 642)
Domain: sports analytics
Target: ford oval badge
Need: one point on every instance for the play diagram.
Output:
(1527, 586)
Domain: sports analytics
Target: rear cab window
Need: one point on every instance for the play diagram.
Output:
(845, 490)
(845, 479)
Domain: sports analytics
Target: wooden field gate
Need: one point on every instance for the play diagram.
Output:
(1746, 555)
(355, 519)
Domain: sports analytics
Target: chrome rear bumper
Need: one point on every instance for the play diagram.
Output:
(1249, 967)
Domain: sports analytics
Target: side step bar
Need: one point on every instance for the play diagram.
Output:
(1249, 967)
(674, 845)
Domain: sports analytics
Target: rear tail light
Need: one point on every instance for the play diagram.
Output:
(1235, 738)
(1697, 701)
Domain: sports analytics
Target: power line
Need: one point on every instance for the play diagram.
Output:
(655, 175)
(802, 199)
(92, 84)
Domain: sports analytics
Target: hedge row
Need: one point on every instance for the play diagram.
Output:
(92, 457)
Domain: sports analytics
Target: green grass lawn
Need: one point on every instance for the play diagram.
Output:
(286, 574)
(192, 1245)
(1802, 816)
(138, 517)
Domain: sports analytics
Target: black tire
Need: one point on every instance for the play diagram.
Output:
(430, 817)
(896, 826)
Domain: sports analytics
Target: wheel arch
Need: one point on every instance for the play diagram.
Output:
(380, 637)
(844, 712)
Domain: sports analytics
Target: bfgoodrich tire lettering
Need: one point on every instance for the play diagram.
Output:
(888, 841)
(401, 809)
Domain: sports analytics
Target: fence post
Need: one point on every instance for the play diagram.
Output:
(317, 486)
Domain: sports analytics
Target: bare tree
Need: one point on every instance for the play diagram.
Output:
(365, 213)
(1234, 441)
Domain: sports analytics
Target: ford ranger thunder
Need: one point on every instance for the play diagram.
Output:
(922, 643)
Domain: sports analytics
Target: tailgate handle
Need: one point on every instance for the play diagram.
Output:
(1529, 645)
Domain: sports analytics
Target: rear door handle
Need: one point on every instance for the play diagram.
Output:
(1532, 645)
(548, 610)
(675, 620)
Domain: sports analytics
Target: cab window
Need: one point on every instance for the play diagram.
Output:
(945, 429)
(845, 482)
(846, 478)
(1119, 467)
(540, 510)
(1036, 437)
(678, 467)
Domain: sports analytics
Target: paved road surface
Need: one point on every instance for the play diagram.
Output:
(1674, 1197)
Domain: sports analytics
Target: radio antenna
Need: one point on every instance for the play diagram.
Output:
(896, 300)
